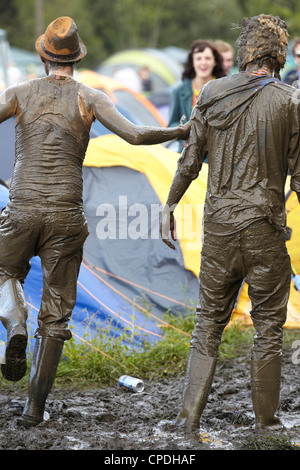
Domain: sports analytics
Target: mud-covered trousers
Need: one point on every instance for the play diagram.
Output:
(57, 238)
(258, 256)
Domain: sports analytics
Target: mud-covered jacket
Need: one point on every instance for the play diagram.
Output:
(249, 125)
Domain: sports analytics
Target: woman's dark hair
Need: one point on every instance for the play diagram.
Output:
(199, 46)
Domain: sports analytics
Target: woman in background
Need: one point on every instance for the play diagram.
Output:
(204, 63)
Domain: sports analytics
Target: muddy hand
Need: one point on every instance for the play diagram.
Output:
(185, 127)
(168, 225)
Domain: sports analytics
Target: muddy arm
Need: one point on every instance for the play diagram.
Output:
(105, 111)
(179, 186)
(189, 166)
(8, 104)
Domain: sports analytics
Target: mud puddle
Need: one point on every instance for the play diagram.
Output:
(110, 418)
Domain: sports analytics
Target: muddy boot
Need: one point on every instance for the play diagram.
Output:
(45, 360)
(265, 390)
(198, 380)
(13, 315)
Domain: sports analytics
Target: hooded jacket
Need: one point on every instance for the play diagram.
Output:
(249, 125)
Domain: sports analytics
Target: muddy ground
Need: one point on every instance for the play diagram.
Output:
(110, 419)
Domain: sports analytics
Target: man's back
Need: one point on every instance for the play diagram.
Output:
(51, 141)
(251, 127)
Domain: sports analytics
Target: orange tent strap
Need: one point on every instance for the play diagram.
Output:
(134, 303)
(137, 285)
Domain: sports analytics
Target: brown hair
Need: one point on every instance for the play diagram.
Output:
(199, 46)
(263, 38)
(223, 46)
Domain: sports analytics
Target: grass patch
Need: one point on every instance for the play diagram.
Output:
(102, 360)
(106, 357)
(236, 341)
(269, 443)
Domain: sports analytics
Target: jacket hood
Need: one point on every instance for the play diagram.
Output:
(222, 101)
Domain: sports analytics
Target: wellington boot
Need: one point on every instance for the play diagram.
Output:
(45, 360)
(265, 391)
(13, 315)
(199, 376)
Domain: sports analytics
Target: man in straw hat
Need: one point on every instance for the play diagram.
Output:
(249, 125)
(44, 215)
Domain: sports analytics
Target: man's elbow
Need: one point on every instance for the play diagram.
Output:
(135, 138)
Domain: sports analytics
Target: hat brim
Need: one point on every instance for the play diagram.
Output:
(59, 58)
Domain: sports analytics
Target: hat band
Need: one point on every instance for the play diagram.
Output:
(73, 55)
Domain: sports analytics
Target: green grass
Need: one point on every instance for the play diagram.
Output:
(269, 443)
(108, 357)
(84, 364)
(103, 359)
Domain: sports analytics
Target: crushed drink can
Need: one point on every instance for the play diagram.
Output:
(131, 383)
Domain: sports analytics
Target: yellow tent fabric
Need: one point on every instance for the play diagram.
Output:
(293, 219)
(159, 165)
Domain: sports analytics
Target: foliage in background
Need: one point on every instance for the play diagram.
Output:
(109, 26)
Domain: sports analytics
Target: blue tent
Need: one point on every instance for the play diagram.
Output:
(97, 306)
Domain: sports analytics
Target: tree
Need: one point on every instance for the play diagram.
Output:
(109, 26)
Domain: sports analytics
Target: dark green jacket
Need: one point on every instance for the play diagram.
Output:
(181, 102)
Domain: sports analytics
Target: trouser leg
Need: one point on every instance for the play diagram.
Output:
(18, 232)
(269, 278)
(13, 315)
(220, 281)
(60, 251)
(45, 360)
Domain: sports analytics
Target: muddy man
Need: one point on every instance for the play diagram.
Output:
(249, 126)
(44, 216)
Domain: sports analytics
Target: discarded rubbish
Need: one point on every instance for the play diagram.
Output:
(131, 383)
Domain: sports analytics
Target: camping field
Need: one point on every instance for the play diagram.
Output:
(89, 411)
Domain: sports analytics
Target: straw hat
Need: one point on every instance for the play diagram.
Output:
(61, 42)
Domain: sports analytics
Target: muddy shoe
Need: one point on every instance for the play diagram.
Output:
(185, 423)
(14, 364)
(273, 427)
(27, 421)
